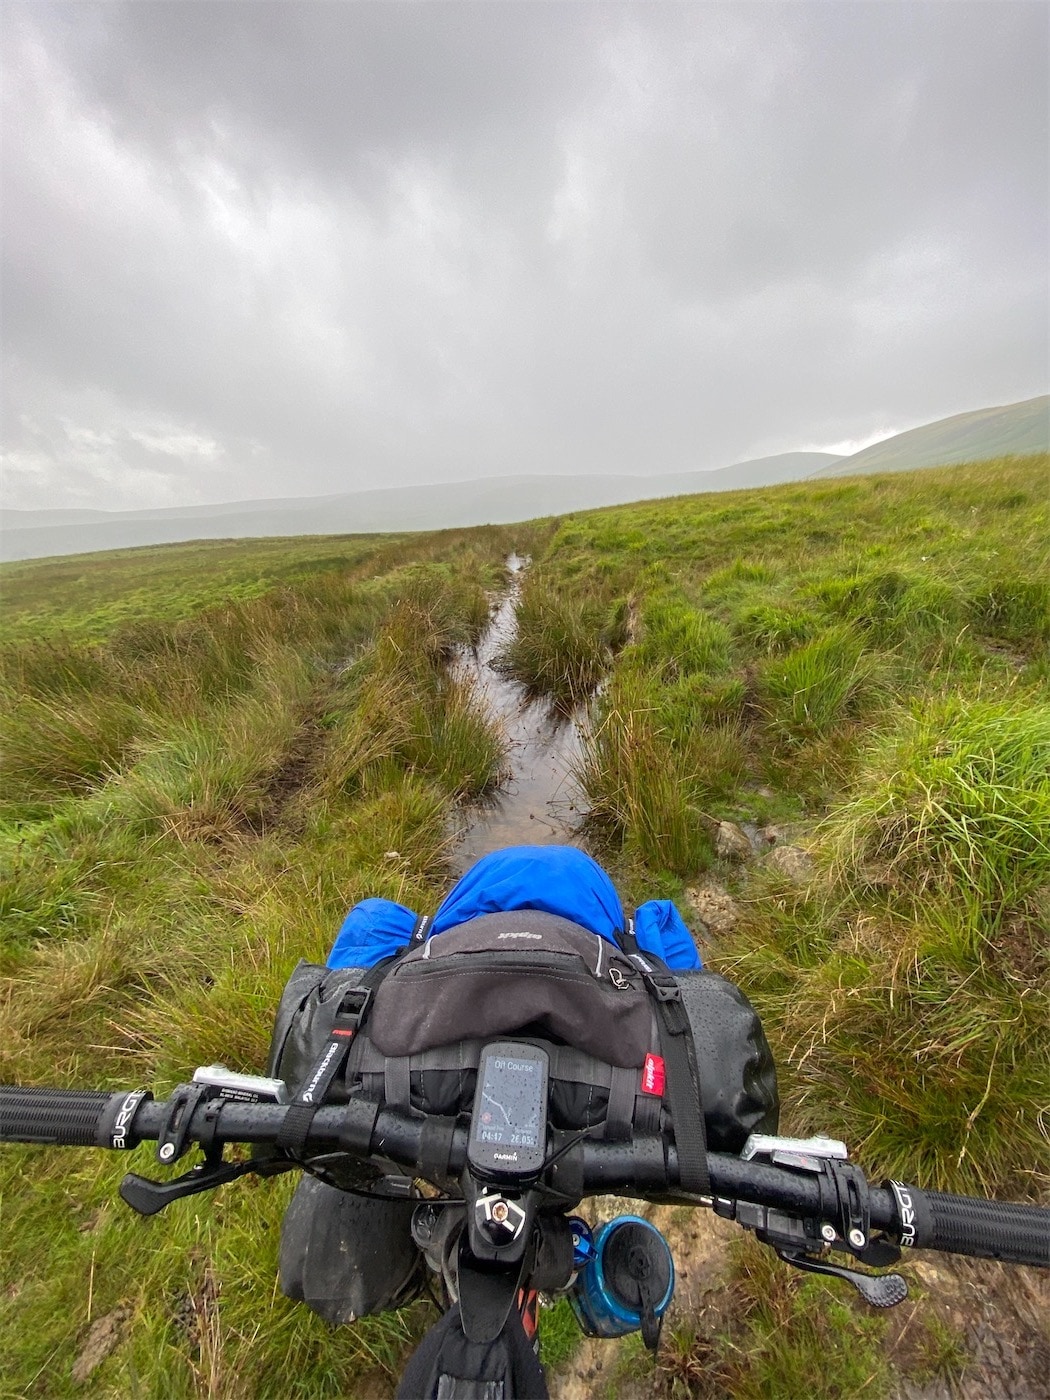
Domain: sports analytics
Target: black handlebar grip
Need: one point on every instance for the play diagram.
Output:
(1014, 1234)
(69, 1117)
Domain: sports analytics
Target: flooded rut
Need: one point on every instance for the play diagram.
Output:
(538, 803)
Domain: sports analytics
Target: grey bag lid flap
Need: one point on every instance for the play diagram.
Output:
(514, 973)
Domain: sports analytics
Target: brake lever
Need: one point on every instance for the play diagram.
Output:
(148, 1197)
(880, 1290)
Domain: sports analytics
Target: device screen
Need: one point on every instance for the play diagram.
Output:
(509, 1125)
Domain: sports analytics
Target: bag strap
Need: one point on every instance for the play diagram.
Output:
(418, 935)
(679, 1052)
(350, 1016)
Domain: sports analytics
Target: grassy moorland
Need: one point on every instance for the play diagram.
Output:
(201, 774)
(869, 658)
(865, 664)
(211, 751)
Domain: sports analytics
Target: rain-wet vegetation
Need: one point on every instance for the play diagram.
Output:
(818, 716)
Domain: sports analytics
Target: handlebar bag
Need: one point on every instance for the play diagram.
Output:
(434, 1009)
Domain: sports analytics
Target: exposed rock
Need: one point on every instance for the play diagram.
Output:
(784, 833)
(717, 910)
(760, 841)
(731, 843)
(103, 1337)
(792, 862)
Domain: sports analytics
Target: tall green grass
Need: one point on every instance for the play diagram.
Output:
(818, 684)
(911, 987)
(953, 801)
(192, 804)
(649, 775)
(564, 641)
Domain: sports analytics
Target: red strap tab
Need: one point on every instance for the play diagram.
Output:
(653, 1076)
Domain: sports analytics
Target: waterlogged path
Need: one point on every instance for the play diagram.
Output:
(539, 804)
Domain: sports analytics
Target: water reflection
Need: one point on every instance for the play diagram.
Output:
(539, 803)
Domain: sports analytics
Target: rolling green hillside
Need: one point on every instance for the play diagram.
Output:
(1015, 428)
(210, 752)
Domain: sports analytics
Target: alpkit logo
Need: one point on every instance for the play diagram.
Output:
(538, 936)
(653, 1075)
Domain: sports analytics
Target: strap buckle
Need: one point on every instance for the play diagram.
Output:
(663, 986)
(352, 1011)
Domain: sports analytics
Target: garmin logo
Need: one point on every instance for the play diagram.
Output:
(538, 936)
(505, 1156)
(333, 1049)
(119, 1136)
(906, 1207)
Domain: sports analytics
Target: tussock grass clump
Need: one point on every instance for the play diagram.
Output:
(435, 611)
(954, 800)
(563, 644)
(895, 608)
(451, 738)
(772, 628)
(401, 707)
(210, 777)
(932, 1064)
(909, 993)
(818, 684)
(678, 640)
(647, 778)
(1014, 608)
(50, 666)
(54, 745)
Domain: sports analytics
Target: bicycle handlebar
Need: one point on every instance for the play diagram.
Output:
(1011, 1233)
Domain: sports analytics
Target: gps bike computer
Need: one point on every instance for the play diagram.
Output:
(508, 1128)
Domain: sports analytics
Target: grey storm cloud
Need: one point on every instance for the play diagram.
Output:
(269, 249)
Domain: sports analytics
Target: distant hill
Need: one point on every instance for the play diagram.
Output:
(1013, 428)
(1016, 428)
(35, 534)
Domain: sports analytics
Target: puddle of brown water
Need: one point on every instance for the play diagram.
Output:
(539, 804)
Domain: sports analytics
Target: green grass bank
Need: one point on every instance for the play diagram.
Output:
(211, 751)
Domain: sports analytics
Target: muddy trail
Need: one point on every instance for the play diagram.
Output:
(539, 803)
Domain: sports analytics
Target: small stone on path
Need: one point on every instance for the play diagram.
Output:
(792, 862)
(731, 843)
(717, 910)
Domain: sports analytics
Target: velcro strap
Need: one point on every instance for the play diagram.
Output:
(397, 1082)
(296, 1128)
(619, 1115)
(646, 1115)
(435, 1148)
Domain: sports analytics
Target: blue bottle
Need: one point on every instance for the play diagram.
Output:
(627, 1264)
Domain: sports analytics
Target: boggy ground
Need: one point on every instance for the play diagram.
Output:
(206, 767)
(190, 805)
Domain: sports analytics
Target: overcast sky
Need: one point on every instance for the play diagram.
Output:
(270, 249)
